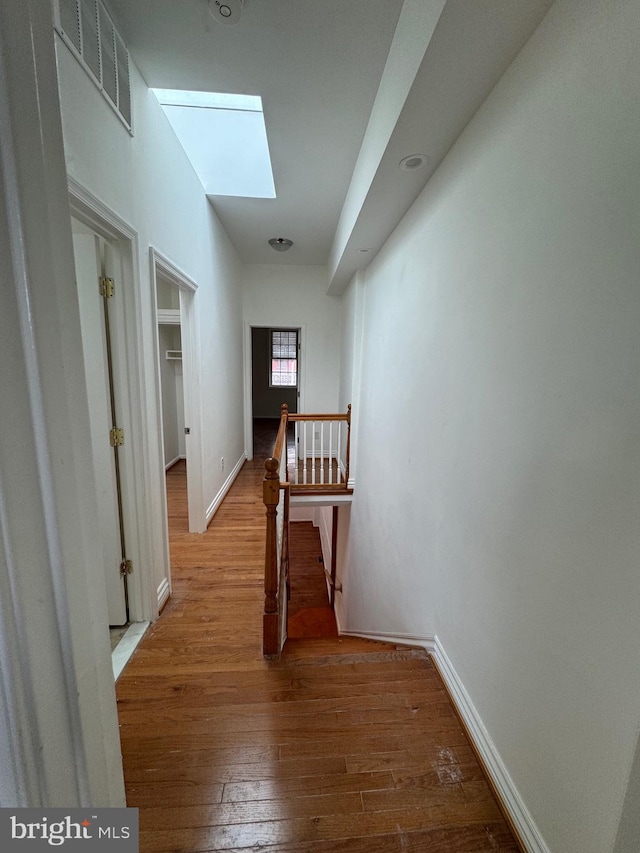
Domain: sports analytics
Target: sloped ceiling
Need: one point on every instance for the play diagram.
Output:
(346, 86)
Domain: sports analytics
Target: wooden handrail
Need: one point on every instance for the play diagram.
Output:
(341, 416)
(281, 438)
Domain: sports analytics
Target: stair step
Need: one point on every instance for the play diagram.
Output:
(350, 659)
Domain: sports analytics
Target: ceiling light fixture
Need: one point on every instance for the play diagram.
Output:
(225, 11)
(280, 244)
(413, 162)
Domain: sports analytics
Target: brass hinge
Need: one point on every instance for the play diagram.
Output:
(126, 568)
(116, 437)
(107, 287)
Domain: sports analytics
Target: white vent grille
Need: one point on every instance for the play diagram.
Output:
(124, 84)
(108, 54)
(70, 23)
(90, 37)
(85, 26)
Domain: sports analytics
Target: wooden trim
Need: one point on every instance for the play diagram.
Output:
(337, 417)
(298, 489)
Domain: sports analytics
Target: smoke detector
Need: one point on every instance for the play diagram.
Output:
(225, 11)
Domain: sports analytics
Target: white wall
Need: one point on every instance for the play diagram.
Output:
(58, 720)
(147, 180)
(352, 330)
(295, 297)
(498, 493)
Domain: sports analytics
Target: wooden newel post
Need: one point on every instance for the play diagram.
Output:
(271, 496)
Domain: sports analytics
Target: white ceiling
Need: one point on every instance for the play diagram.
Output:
(317, 64)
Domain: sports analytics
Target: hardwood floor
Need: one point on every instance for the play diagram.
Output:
(310, 613)
(342, 746)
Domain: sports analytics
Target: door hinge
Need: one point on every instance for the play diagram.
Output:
(107, 287)
(116, 437)
(126, 568)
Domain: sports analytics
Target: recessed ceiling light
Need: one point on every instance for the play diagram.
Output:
(280, 244)
(225, 11)
(413, 162)
(364, 251)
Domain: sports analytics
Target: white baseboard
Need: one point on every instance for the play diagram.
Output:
(164, 590)
(215, 503)
(351, 483)
(126, 647)
(502, 781)
(173, 462)
(425, 641)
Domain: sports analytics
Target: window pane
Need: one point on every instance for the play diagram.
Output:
(284, 344)
(284, 372)
(284, 358)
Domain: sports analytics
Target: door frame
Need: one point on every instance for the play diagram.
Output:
(159, 263)
(248, 376)
(140, 486)
(91, 264)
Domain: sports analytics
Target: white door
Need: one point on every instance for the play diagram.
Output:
(110, 541)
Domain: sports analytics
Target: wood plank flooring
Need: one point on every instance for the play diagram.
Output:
(342, 746)
(310, 612)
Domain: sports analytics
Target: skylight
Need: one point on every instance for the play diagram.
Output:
(225, 138)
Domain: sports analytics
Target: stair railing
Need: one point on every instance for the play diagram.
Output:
(323, 446)
(319, 463)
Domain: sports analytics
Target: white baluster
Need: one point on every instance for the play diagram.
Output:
(304, 459)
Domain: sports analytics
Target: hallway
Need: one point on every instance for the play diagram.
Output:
(343, 745)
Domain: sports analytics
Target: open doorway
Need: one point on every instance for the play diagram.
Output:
(171, 376)
(177, 383)
(275, 379)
